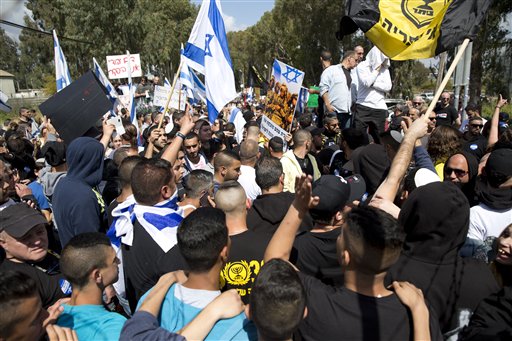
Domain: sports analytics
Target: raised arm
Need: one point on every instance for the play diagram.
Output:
(186, 125)
(108, 130)
(493, 134)
(281, 244)
(389, 187)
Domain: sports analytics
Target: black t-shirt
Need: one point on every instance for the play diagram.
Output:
(342, 314)
(244, 262)
(314, 253)
(445, 115)
(144, 263)
(51, 287)
(305, 165)
(348, 76)
(476, 145)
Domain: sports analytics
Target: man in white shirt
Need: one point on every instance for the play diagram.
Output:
(249, 155)
(335, 85)
(374, 81)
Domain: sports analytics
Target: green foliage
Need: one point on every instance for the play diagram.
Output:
(8, 53)
(154, 29)
(295, 32)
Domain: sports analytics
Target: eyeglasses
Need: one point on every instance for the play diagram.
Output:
(477, 125)
(458, 172)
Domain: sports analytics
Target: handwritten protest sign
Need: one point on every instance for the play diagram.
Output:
(117, 66)
(160, 97)
(283, 93)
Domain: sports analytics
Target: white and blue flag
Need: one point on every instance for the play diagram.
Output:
(207, 52)
(112, 93)
(195, 89)
(62, 75)
(159, 221)
(302, 100)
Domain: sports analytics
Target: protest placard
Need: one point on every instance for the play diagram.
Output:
(117, 66)
(282, 94)
(270, 129)
(160, 97)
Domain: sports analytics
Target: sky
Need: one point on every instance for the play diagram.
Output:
(238, 14)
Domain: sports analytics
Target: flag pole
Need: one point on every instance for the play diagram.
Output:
(446, 78)
(166, 108)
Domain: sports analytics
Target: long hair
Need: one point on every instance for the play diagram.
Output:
(444, 142)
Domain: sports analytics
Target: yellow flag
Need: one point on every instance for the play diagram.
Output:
(414, 29)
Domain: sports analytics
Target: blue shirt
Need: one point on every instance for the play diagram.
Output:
(37, 192)
(92, 322)
(175, 315)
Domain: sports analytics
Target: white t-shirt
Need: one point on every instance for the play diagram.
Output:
(486, 222)
(195, 297)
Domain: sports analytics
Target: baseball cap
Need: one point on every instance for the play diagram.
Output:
(499, 166)
(335, 192)
(20, 218)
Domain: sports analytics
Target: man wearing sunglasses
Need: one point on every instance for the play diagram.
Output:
(446, 114)
(473, 141)
(472, 110)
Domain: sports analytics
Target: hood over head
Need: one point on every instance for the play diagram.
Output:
(85, 160)
(375, 58)
(435, 218)
(372, 163)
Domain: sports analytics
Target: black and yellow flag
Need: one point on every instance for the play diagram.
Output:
(414, 29)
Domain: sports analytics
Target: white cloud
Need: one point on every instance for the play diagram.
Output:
(231, 25)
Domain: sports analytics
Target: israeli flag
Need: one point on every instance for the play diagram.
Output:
(195, 89)
(207, 52)
(112, 93)
(160, 221)
(303, 100)
(62, 75)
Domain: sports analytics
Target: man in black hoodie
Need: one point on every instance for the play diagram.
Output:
(435, 218)
(77, 204)
(269, 208)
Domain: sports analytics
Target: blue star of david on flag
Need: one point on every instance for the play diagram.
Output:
(291, 78)
(208, 39)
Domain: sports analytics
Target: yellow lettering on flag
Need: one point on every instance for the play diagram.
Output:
(408, 29)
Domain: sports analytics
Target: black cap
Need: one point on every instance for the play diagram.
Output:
(20, 218)
(335, 192)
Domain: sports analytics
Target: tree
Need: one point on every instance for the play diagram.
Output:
(486, 68)
(8, 54)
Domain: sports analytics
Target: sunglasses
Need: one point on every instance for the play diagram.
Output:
(432, 118)
(458, 172)
(477, 125)
(446, 98)
(417, 103)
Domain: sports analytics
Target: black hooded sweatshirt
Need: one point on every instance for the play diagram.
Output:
(268, 210)
(436, 219)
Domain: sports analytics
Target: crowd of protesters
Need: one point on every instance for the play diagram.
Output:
(359, 225)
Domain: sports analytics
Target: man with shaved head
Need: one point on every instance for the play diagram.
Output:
(247, 247)
(249, 155)
(226, 165)
(298, 161)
